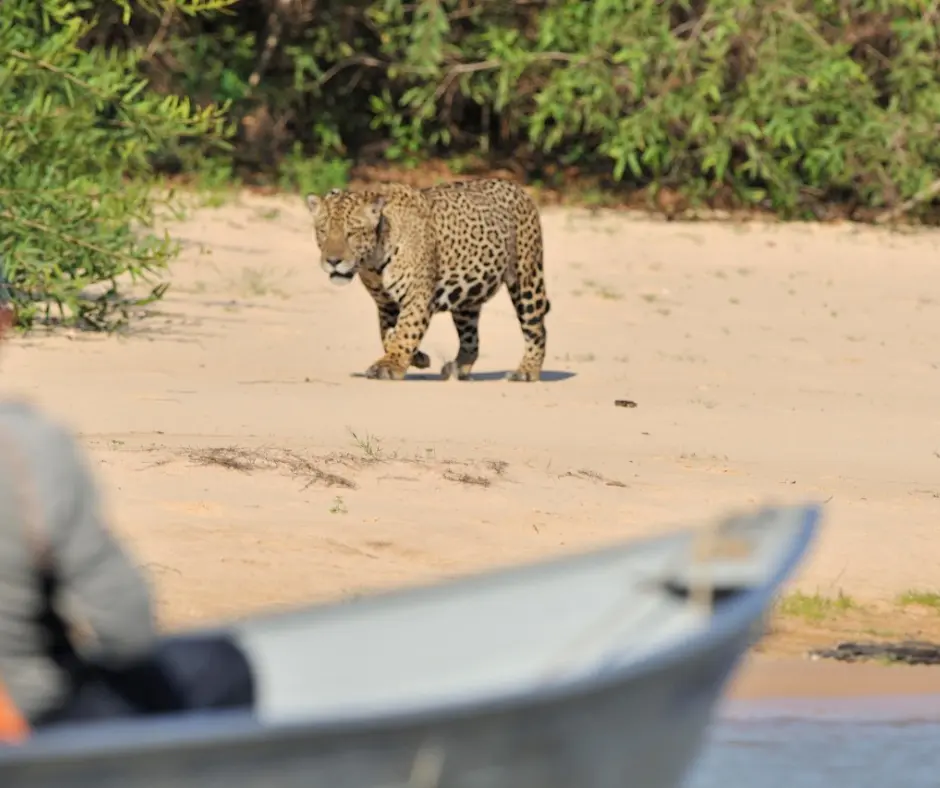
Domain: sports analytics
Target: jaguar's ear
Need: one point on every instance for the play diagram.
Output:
(373, 210)
(314, 202)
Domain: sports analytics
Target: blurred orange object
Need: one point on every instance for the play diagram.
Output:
(13, 726)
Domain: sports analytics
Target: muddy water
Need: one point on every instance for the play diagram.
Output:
(832, 743)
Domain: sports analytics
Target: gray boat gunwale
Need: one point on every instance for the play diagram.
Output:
(225, 729)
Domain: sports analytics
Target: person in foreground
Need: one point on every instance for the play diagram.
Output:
(78, 638)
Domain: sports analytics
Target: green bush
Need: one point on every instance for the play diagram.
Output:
(78, 129)
(781, 103)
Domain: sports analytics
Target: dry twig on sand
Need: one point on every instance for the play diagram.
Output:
(247, 460)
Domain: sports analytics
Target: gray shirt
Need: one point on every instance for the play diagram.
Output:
(43, 468)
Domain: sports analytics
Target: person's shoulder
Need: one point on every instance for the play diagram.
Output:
(35, 431)
(22, 414)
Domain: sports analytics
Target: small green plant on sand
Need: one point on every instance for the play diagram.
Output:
(369, 445)
(814, 607)
(920, 598)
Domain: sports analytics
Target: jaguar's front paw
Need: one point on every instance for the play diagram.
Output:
(384, 369)
(523, 375)
(452, 369)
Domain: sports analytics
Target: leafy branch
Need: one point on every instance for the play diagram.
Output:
(76, 121)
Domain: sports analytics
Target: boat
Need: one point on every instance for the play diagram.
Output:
(595, 670)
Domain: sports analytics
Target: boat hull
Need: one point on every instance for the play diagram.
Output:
(645, 733)
(637, 723)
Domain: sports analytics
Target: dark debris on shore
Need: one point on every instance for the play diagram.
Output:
(909, 652)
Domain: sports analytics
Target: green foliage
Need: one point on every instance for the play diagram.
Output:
(74, 124)
(784, 104)
(781, 103)
(318, 174)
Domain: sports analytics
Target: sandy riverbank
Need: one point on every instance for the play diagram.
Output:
(763, 677)
(768, 363)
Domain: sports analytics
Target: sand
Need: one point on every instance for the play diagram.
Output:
(768, 362)
(766, 678)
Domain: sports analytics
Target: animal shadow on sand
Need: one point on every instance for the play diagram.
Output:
(548, 376)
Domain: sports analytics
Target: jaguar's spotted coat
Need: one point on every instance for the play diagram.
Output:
(444, 248)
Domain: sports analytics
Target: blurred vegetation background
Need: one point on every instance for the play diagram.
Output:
(805, 108)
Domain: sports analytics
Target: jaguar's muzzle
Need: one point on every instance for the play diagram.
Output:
(341, 272)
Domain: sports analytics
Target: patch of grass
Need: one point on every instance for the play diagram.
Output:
(815, 607)
(369, 445)
(338, 506)
(245, 460)
(498, 467)
(467, 478)
(594, 476)
(920, 598)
